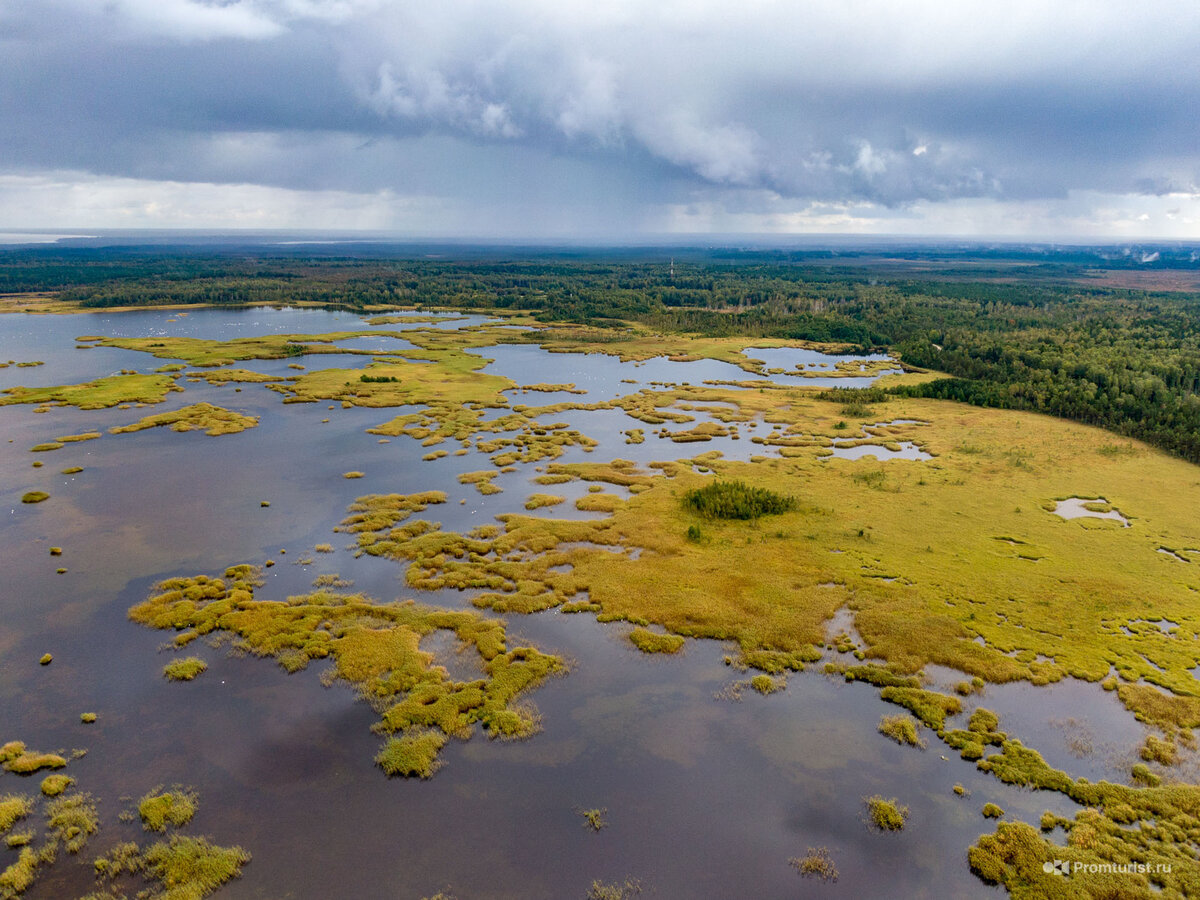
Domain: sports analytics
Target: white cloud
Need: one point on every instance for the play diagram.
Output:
(26, 201)
(911, 111)
(190, 20)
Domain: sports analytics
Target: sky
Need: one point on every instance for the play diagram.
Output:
(606, 120)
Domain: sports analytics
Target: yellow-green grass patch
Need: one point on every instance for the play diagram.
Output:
(652, 642)
(537, 501)
(99, 394)
(159, 809)
(374, 647)
(53, 785)
(816, 863)
(15, 758)
(13, 808)
(186, 669)
(901, 729)
(886, 814)
(212, 420)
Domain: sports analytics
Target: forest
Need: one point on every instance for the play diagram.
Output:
(1021, 330)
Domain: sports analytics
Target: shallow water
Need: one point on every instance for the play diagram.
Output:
(706, 797)
(1075, 508)
(908, 450)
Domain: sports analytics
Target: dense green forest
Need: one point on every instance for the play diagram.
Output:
(1046, 336)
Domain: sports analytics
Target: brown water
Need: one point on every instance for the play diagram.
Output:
(705, 797)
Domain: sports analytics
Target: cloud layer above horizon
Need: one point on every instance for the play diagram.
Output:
(525, 118)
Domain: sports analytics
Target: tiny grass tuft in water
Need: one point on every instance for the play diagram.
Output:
(886, 814)
(594, 818)
(901, 729)
(159, 809)
(765, 684)
(616, 890)
(816, 863)
(53, 785)
(537, 501)
(34, 497)
(414, 753)
(185, 669)
(652, 642)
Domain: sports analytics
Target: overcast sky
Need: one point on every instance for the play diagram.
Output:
(606, 119)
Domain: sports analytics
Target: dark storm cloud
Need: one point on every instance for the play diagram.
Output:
(619, 105)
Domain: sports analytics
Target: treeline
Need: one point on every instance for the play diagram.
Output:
(1126, 360)
(1090, 373)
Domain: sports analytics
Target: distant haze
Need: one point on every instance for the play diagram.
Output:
(606, 120)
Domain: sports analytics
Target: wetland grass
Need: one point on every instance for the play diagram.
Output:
(1163, 752)
(212, 420)
(34, 497)
(652, 642)
(159, 809)
(19, 875)
(53, 785)
(762, 590)
(617, 890)
(99, 394)
(594, 818)
(186, 669)
(885, 814)
(537, 501)
(414, 754)
(816, 863)
(15, 758)
(375, 648)
(765, 684)
(902, 730)
(13, 808)
(72, 819)
(184, 867)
